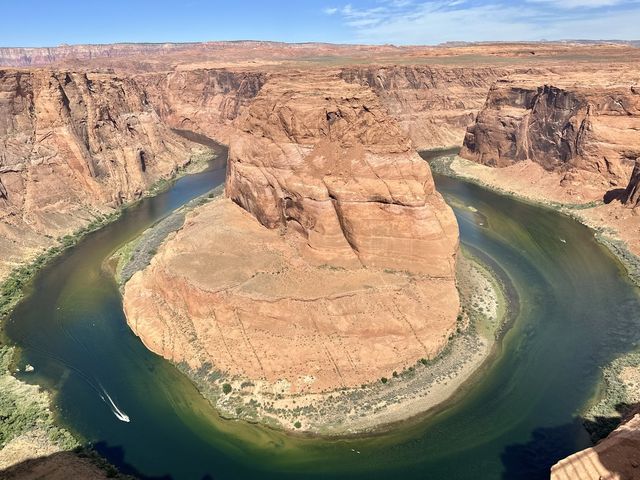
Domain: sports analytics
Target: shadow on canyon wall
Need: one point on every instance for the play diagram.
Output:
(81, 464)
(614, 194)
(533, 460)
(198, 138)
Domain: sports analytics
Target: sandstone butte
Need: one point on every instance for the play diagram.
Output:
(560, 120)
(334, 255)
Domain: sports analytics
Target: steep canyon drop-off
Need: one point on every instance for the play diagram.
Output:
(84, 137)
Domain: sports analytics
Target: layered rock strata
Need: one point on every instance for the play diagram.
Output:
(72, 147)
(564, 124)
(322, 158)
(433, 105)
(329, 265)
(202, 100)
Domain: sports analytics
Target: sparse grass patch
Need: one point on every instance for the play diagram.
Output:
(12, 289)
(24, 408)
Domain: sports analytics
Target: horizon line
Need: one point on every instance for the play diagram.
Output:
(340, 44)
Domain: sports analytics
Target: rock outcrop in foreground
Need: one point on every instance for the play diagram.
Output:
(329, 265)
(74, 146)
(586, 126)
(617, 457)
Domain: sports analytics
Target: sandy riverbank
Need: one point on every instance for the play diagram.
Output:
(615, 226)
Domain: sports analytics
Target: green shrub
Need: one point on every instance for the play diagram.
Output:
(297, 425)
(384, 379)
(226, 388)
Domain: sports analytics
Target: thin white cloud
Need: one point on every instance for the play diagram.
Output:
(330, 10)
(569, 4)
(401, 3)
(436, 21)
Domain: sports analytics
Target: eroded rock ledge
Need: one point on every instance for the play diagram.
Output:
(615, 457)
(330, 264)
(74, 146)
(583, 125)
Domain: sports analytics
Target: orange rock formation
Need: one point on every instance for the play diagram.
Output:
(617, 457)
(580, 122)
(338, 269)
(74, 146)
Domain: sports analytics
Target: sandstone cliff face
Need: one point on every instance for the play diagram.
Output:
(205, 101)
(73, 145)
(32, 57)
(560, 125)
(329, 164)
(433, 105)
(329, 265)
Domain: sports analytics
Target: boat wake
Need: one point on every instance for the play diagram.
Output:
(120, 415)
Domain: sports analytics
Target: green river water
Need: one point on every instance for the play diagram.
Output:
(577, 311)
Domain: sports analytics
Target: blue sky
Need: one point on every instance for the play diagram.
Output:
(47, 23)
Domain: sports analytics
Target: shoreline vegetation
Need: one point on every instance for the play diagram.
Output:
(616, 398)
(402, 396)
(483, 320)
(28, 428)
(137, 254)
(619, 388)
(369, 408)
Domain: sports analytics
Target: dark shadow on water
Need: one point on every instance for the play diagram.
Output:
(81, 464)
(615, 194)
(116, 457)
(533, 460)
(197, 138)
